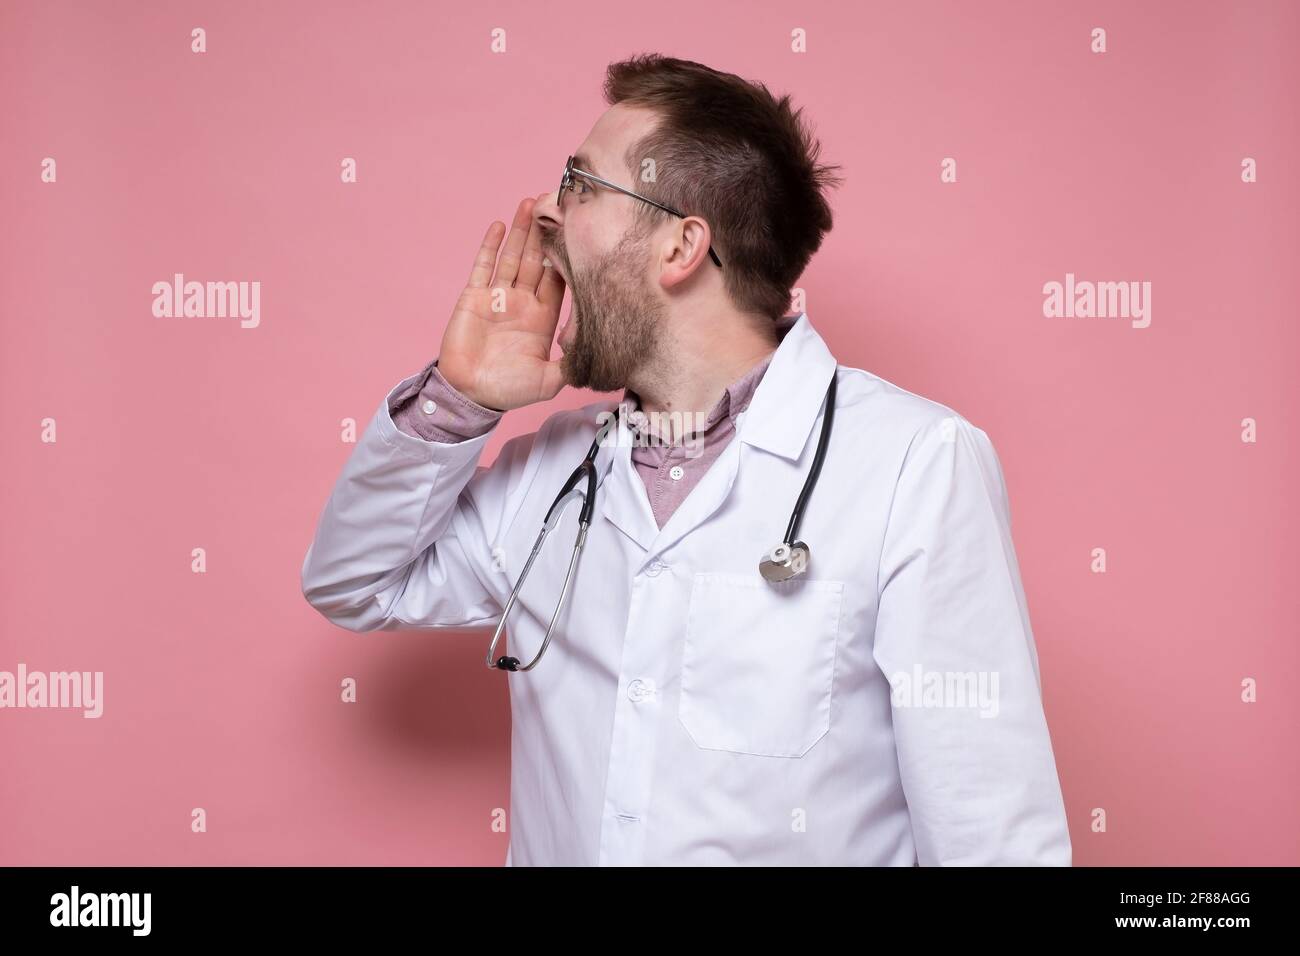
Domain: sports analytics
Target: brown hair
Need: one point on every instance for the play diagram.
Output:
(728, 151)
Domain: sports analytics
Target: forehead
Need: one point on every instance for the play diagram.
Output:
(617, 129)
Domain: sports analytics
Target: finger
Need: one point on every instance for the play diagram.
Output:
(508, 264)
(530, 268)
(550, 291)
(487, 256)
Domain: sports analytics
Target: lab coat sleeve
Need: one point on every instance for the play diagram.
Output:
(975, 758)
(406, 536)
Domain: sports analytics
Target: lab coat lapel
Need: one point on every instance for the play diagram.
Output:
(622, 493)
(702, 501)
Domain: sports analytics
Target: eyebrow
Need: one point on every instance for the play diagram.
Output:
(582, 161)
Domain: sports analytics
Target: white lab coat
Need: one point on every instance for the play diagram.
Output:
(688, 712)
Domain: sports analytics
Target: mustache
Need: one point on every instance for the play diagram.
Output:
(556, 253)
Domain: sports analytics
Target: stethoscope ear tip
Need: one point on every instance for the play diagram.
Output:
(507, 663)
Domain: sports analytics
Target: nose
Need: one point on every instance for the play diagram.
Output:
(547, 214)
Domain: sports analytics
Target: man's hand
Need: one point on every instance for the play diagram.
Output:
(497, 347)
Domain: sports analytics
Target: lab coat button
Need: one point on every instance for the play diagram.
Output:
(429, 406)
(654, 567)
(638, 690)
(676, 472)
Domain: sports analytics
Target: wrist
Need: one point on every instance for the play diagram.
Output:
(465, 395)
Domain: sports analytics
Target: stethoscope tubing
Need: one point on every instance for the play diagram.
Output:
(587, 470)
(796, 516)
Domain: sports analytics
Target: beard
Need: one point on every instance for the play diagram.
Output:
(619, 320)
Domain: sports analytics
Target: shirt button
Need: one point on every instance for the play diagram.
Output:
(676, 472)
(429, 406)
(639, 690)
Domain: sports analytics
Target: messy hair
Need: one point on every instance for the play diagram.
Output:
(726, 150)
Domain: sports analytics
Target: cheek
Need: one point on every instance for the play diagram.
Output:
(589, 236)
(579, 242)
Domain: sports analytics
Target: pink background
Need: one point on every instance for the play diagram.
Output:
(222, 689)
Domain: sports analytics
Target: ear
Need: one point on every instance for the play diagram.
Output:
(685, 250)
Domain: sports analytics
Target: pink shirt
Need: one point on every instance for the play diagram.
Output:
(431, 409)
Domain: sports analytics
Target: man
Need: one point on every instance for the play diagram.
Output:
(882, 707)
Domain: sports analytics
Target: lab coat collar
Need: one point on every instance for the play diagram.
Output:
(779, 420)
(786, 403)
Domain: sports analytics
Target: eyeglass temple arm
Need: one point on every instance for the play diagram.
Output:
(627, 192)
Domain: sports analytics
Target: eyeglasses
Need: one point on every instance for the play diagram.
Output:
(568, 179)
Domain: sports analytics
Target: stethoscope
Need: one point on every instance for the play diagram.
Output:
(787, 560)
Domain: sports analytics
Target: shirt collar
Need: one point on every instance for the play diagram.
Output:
(735, 399)
(788, 397)
(785, 404)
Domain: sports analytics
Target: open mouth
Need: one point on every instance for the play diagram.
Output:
(568, 329)
(554, 263)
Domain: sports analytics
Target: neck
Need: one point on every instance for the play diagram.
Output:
(702, 355)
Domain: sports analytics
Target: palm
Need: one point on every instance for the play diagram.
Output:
(497, 346)
(503, 354)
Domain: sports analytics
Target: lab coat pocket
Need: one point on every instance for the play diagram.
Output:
(758, 663)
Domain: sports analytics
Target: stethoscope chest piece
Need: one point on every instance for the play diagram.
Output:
(784, 562)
